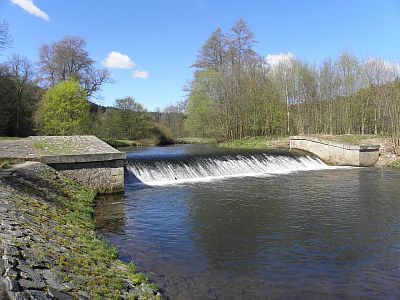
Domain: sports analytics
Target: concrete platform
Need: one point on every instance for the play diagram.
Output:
(338, 154)
(86, 159)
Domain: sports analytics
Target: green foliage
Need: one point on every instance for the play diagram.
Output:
(261, 142)
(128, 121)
(121, 143)
(18, 100)
(395, 164)
(201, 116)
(65, 109)
(4, 164)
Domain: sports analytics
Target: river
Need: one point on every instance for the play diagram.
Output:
(207, 223)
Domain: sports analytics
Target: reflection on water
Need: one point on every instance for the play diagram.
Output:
(110, 213)
(328, 234)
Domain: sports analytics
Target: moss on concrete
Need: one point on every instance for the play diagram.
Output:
(51, 148)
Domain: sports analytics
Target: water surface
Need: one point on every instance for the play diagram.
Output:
(324, 233)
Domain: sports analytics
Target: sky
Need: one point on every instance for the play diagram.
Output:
(149, 45)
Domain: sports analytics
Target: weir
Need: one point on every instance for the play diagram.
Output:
(86, 159)
(171, 171)
(337, 154)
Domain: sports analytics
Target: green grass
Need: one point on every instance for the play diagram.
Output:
(90, 264)
(121, 143)
(52, 148)
(6, 163)
(255, 142)
(395, 164)
(189, 140)
(10, 138)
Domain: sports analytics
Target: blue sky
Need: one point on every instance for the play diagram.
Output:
(162, 37)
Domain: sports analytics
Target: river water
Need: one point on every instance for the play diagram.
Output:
(207, 223)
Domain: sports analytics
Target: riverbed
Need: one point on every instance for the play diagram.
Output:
(295, 229)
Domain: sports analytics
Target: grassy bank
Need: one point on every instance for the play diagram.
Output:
(6, 163)
(257, 142)
(121, 143)
(189, 140)
(139, 143)
(60, 215)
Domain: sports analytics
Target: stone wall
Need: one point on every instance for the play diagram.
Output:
(86, 159)
(337, 154)
(103, 176)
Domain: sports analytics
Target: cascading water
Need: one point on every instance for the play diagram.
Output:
(171, 171)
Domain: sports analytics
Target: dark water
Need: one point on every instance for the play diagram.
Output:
(321, 234)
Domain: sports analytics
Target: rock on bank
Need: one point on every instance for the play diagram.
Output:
(48, 246)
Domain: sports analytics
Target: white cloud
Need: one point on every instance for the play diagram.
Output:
(31, 8)
(140, 74)
(275, 59)
(117, 60)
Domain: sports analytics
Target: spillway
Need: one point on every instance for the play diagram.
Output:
(173, 171)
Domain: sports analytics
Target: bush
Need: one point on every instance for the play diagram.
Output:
(65, 109)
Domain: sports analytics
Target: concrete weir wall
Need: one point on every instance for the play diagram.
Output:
(86, 159)
(337, 154)
(104, 176)
(98, 166)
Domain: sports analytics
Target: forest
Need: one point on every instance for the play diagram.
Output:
(238, 93)
(234, 93)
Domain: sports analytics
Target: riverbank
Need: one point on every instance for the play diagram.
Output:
(48, 243)
(257, 143)
(389, 153)
(139, 143)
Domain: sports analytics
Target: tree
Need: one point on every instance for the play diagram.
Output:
(65, 109)
(18, 96)
(69, 59)
(240, 42)
(172, 118)
(213, 53)
(128, 119)
(21, 72)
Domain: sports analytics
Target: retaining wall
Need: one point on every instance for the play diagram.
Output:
(338, 154)
(86, 159)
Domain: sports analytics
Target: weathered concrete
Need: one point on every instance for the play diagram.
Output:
(338, 154)
(86, 159)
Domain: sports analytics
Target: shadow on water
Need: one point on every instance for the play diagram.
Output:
(110, 213)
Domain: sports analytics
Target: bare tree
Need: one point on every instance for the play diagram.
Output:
(21, 72)
(69, 59)
(212, 54)
(241, 41)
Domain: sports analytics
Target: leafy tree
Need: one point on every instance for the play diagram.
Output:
(128, 119)
(65, 109)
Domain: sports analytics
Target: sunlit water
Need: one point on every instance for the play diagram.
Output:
(318, 234)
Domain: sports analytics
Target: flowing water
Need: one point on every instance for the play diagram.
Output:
(207, 223)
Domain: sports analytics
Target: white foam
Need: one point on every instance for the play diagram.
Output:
(207, 169)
